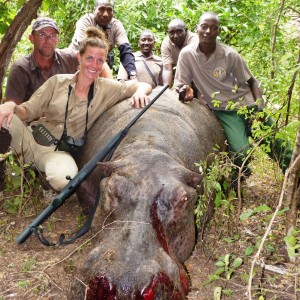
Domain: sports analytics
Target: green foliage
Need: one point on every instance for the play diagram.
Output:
(22, 183)
(292, 241)
(29, 265)
(8, 10)
(217, 189)
(23, 284)
(250, 212)
(227, 265)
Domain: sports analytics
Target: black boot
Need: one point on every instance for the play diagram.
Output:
(5, 139)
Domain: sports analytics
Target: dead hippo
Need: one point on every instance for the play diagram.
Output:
(147, 199)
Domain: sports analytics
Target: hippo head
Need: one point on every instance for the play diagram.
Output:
(148, 231)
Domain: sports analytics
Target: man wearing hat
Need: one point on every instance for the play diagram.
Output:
(31, 71)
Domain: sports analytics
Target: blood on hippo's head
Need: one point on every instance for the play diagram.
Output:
(148, 232)
(161, 287)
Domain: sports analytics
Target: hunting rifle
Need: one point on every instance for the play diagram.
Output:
(82, 174)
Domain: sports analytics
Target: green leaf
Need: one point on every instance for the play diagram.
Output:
(229, 240)
(220, 264)
(245, 277)
(249, 250)
(246, 215)
(237, 262)
(227, 292)
(262, 208)
(290, 240)
(229, 273)
(219, 271)
(211, 278)
(213, 95)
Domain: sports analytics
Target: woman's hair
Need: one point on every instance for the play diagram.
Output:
(94, 38)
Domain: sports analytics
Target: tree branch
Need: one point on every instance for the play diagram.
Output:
(14, 33)
(273, 41)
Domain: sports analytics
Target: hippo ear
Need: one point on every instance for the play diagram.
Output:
(193, 179)
(107, 168)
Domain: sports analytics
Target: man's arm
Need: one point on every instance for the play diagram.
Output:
(17, 84)
(106, 72)
(82, 24)
(167, 74)
(119, 38)
(127, 60)
(168, 62)
(255, 89)
(183, 79)
(122, 74)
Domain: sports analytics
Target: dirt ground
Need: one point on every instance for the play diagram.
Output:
(33, 271)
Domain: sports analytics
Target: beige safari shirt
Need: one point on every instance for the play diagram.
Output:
(221, 79)
(115, 32)
(170, 52)
(154, 63)
(51, 98)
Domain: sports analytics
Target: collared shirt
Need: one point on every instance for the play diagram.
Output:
(51, 98)
(170, 52)
(115, 32)
(153, 62)
(25, 76)
(221, 79)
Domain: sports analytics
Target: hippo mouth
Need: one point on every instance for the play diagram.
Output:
(161, 287)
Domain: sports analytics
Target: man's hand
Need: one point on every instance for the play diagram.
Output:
(186, 93)
(7, 112)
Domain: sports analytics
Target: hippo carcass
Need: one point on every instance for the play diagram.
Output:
(147, 199)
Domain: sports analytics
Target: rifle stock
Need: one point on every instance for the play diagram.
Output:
(82, 174)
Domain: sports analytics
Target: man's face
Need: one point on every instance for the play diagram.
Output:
(208, 29)
(146, 43)
(177, 34)
(45, 41)
(104, 12)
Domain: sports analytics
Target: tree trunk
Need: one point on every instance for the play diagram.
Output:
(14, 33)
(292, 193)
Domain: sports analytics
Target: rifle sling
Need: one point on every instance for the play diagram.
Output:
(38, 232)
(149, 71)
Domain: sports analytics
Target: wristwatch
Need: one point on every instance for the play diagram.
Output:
(132, 75)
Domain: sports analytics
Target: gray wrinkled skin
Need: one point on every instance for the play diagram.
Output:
(147, 196)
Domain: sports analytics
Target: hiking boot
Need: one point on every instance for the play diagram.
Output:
(5, 139)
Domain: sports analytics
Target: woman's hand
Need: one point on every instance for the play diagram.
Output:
(138, 101)
(7, 111)
(140, 98)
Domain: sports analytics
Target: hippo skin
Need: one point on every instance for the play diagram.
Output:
(147, 195)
